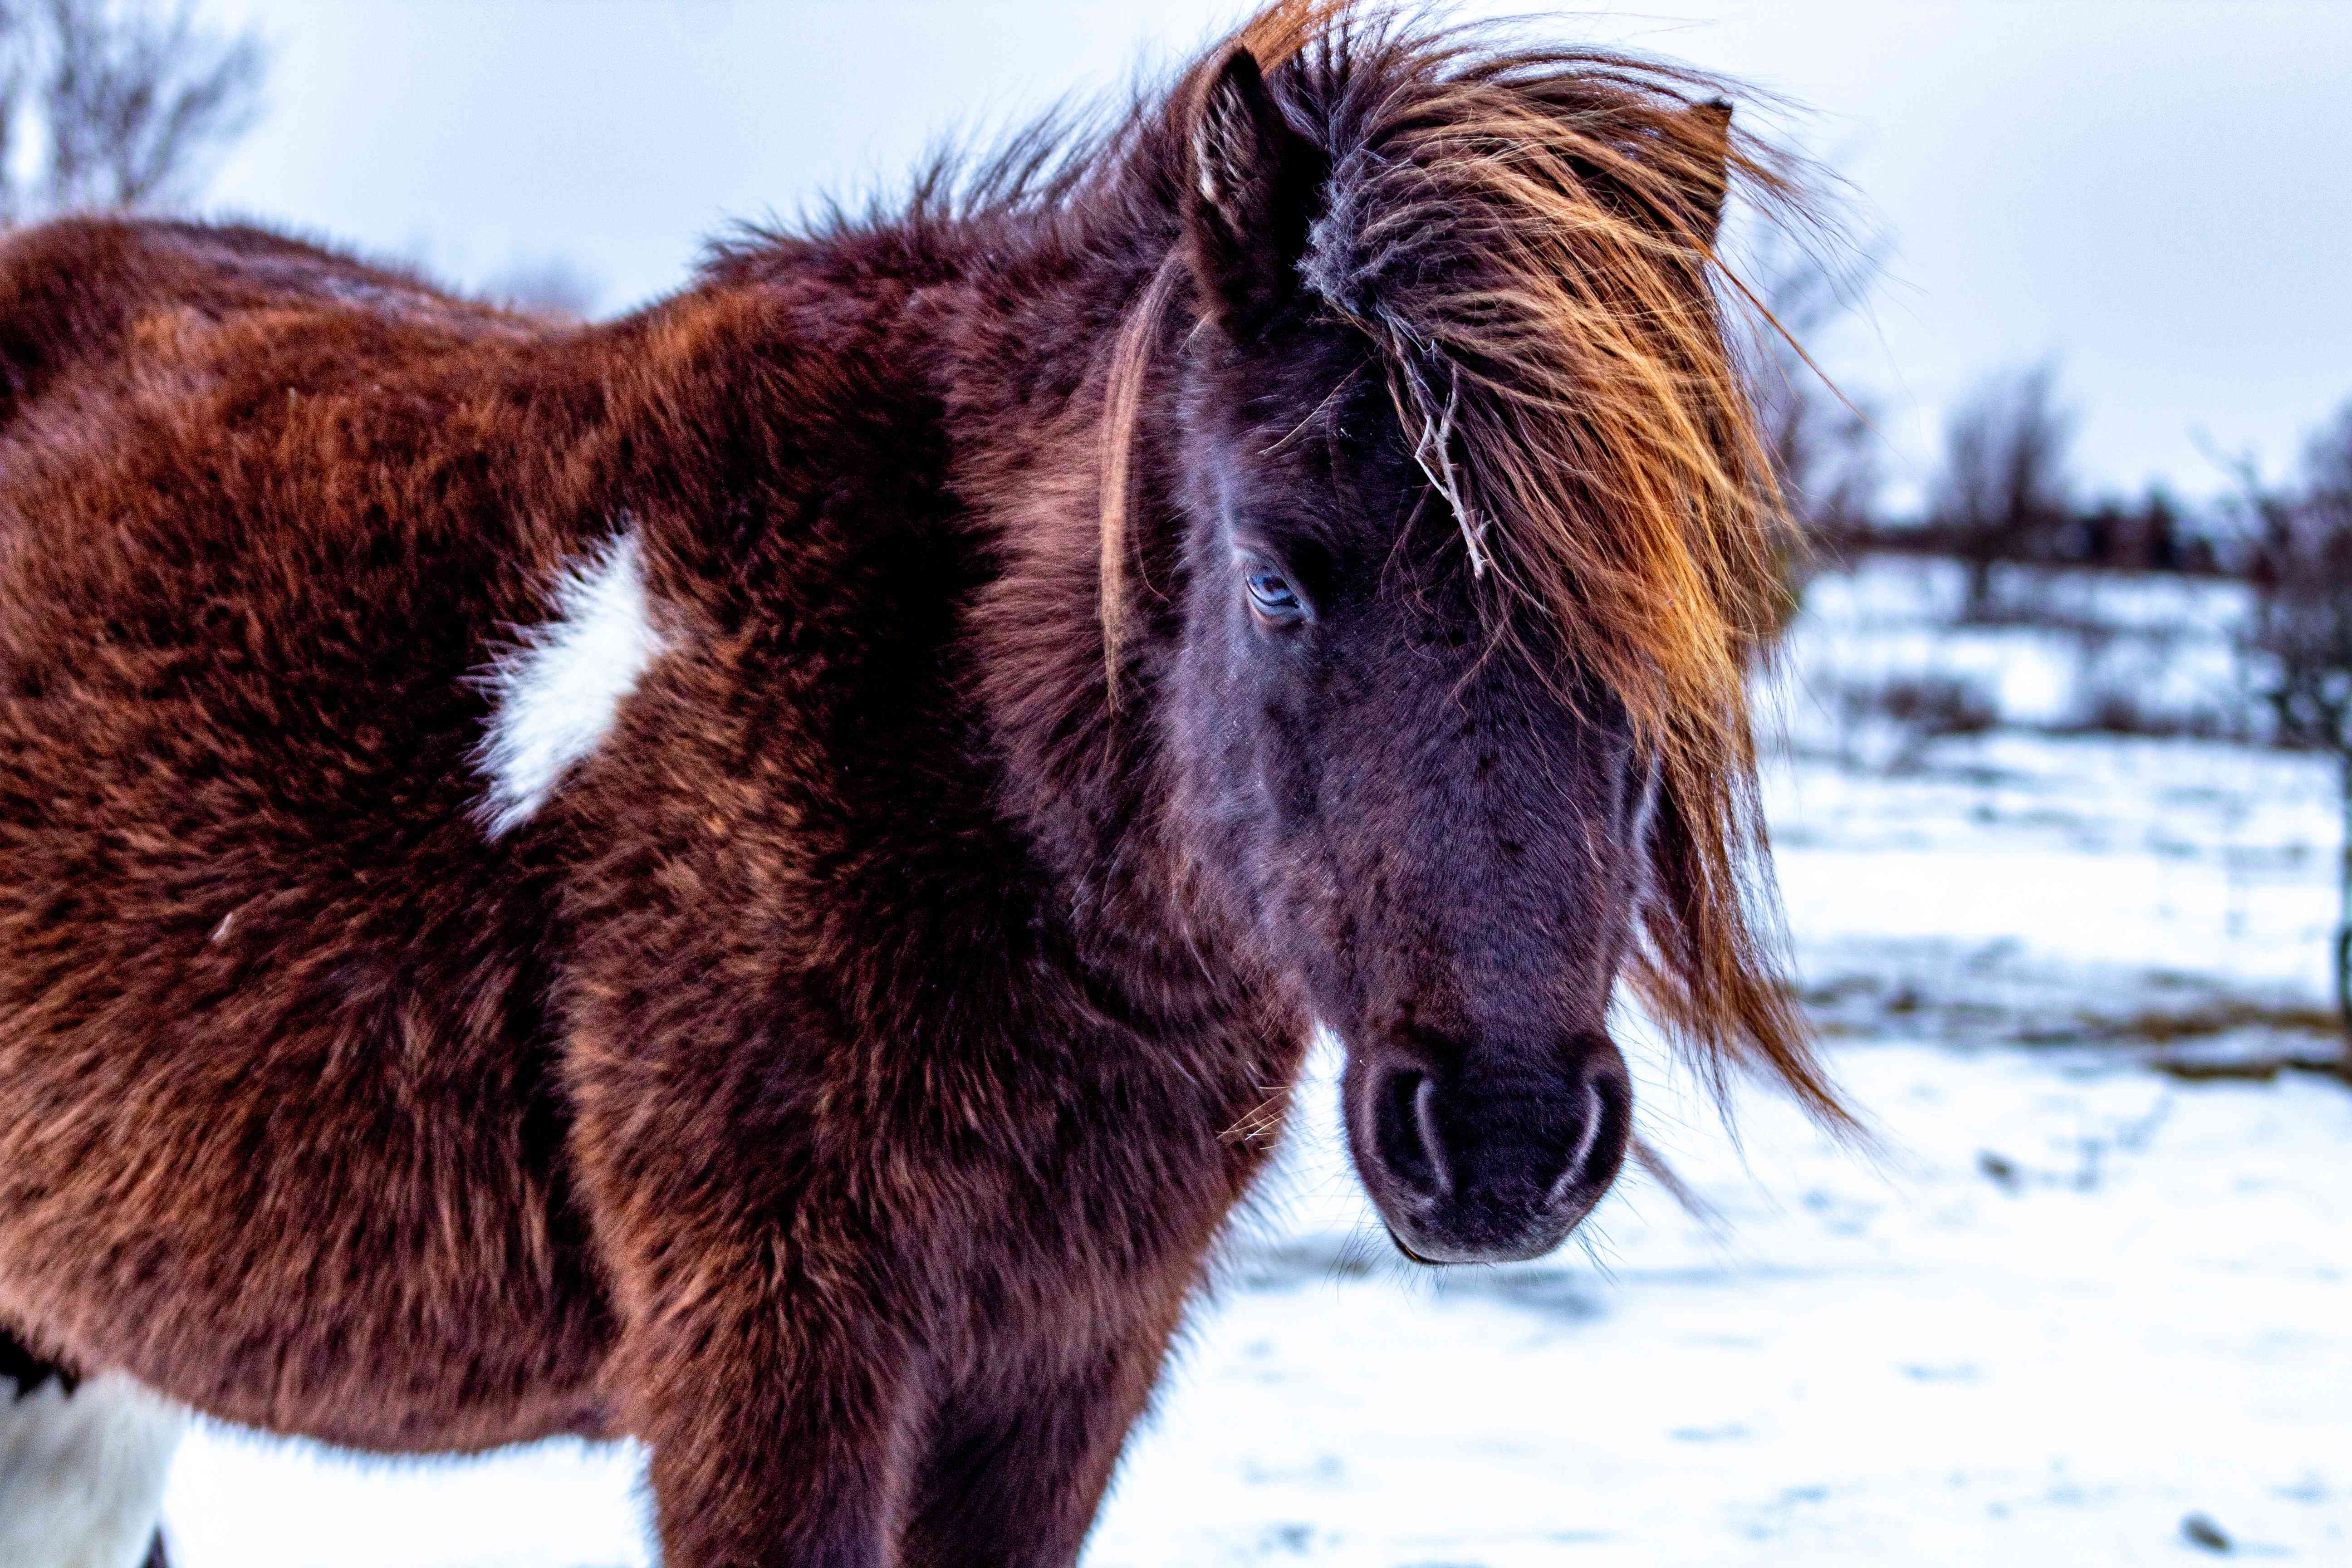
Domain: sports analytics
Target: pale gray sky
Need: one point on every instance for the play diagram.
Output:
(2154, 191)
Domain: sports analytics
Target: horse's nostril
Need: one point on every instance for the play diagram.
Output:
(1405, 1131)
(1599, 1149)
(1424, 1119)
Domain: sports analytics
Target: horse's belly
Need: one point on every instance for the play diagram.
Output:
(380, 1253)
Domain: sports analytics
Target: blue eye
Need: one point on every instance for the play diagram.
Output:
(1271, 595)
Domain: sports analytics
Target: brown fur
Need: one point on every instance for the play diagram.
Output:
(836, 1084)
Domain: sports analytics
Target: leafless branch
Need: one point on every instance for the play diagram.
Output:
(2301, 634)
(128, 101)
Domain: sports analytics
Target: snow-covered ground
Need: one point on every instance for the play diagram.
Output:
(2086, 1304)
(2078, 1305)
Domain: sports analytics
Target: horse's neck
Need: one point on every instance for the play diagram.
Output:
(1089, 780)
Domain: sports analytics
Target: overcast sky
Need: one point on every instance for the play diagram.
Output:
(2156, 192)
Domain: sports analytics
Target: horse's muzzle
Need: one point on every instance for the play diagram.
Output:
(1478, 1156)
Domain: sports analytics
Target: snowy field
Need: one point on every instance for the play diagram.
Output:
(2089, 1302)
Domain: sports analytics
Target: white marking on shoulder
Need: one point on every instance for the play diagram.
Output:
(81, 1475)
(553, 699)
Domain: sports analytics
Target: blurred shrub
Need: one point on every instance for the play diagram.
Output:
(551, 287)
(1887, 725)
(1934, 706)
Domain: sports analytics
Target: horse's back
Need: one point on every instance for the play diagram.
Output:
(82, 294)
(271, 1005)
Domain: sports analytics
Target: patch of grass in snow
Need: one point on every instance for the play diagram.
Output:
(2218, 1017)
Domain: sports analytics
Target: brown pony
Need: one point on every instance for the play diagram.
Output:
(757, 875)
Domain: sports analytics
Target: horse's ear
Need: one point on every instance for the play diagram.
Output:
(1710, 154)
(1255, 182)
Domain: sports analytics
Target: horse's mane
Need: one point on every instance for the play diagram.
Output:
(1526, 235)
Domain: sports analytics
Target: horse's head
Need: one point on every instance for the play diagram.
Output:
(1435, 834)
(1458, 702)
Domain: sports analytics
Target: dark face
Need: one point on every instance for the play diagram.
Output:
(1438, 837)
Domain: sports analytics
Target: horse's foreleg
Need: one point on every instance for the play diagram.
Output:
(1022, 1459)
(769, 1449)
(752, 1356)
(82, 1466)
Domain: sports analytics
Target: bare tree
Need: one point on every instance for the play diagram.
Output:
(2004, 489)
(2302, 573)
(126, 102)
(1821, 441)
